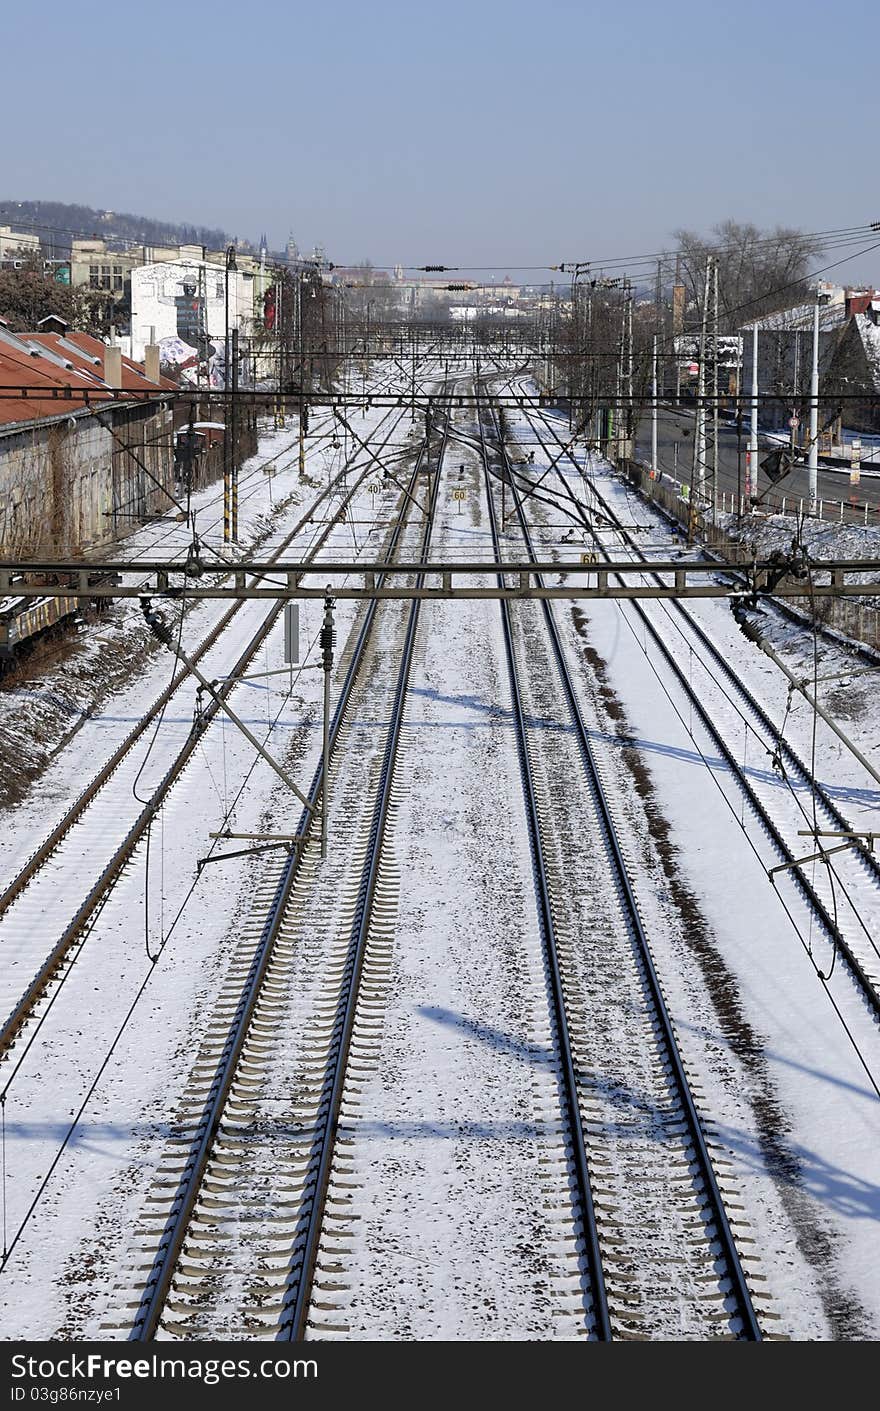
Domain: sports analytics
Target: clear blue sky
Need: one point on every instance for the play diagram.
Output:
(492, 132)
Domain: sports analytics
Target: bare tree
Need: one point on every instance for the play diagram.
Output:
(759, 271)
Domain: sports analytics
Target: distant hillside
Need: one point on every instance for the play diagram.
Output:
(57, 223)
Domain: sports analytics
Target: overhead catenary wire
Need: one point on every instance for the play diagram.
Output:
(152, 969)
(804, 941)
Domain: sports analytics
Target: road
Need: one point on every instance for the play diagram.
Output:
(675, 443)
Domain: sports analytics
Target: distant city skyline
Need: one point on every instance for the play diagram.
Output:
(495, 138)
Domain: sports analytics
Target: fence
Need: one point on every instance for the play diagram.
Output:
(853, 618)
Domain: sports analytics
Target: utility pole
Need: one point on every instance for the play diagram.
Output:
(327, 642)
(228, 450)
(752, 457)
(677, 321)
(618, 395)
(233, 427)
(813, 461)
(629, 370)
(279, 333)
(654, 406)
(698, 474)
(595, 413)
(302, 374)
(715, 388)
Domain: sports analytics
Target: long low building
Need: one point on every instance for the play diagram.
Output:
(82, 459)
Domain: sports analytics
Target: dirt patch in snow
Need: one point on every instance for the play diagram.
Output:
(48, 695)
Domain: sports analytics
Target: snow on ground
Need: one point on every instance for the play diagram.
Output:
(104, 1168)
(786, 1092)
(788, 1095)
(453, 1118)
(59, 691)
(454, 1135)
(821, 538)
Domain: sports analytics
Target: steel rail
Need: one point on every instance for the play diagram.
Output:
(294, 1325)
(863, 980)
(599, 1295)
(149, 1313)
(869, 859)
(730, 1253)
(75, 812)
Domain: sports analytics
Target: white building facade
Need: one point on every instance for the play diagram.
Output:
(185, 302)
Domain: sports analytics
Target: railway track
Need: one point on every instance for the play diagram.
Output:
(249, 1176)
(317, 429)
(778, 795)
(88, 835)
(658, 1207)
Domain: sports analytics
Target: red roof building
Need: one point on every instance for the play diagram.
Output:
(86, 443)
(40, 370)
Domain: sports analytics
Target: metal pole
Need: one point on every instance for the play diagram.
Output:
(752, 460)
(716, 389)
(227, 434)
(699, 463)
(618, 390)
(629, 371)
(654, 408)
(739, 441)
(327, 641)
(233, 447)
(279, 335)
(813, 462)
(158, 625)
(676, 326)
(302, 374)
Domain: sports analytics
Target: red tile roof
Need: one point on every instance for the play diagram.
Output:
(56, 384)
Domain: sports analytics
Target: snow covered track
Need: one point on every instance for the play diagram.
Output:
(661, 1223)
(99, 834)
(537, 1051)
(241, 1199)
(844, 895)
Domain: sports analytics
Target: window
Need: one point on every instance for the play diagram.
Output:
(94, 277)
(220, 291)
